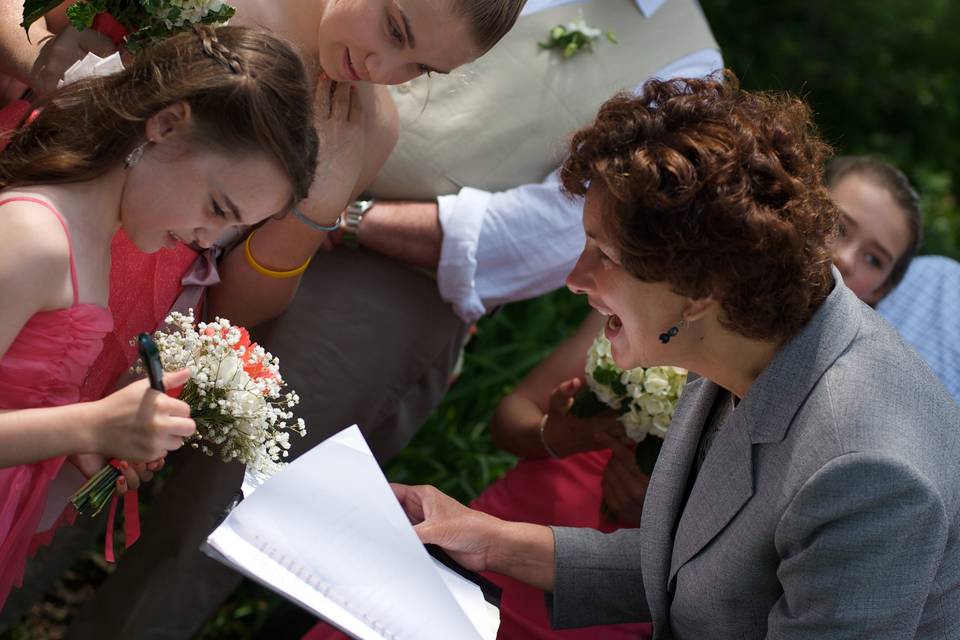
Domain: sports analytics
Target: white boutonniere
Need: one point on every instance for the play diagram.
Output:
(574, 37)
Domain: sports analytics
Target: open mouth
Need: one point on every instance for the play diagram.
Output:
(348, 66)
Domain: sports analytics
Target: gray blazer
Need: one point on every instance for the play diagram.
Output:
(826, 508)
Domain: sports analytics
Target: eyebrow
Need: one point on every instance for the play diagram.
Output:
(847, 220)
(413, 41)
(850, 222)
(406, 25)
(881, 249)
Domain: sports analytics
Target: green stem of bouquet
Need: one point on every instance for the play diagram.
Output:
(96, 492)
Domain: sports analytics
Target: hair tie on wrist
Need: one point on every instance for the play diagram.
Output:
(543, 438)
(315, 225)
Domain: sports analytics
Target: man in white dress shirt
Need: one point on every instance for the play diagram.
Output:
(489, 248)
(372, 341)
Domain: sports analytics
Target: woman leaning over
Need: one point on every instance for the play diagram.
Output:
(359, 46)
(806, 487)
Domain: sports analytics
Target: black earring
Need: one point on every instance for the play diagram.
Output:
(671, 332)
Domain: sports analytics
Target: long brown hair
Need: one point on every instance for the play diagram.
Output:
(247, 90)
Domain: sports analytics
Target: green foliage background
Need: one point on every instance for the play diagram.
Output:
(882, 76)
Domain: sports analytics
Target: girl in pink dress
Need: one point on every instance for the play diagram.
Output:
(205, 131)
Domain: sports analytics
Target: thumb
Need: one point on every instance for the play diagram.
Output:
(570, 387)
(172, 380)
(562, 396)
(426, 531)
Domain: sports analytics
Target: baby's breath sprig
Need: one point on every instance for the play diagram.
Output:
(574, 37)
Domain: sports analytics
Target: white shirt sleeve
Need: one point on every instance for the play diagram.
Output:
(521, 243)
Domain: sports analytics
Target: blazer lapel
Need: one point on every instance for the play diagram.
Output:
(665, 494)
(723, 486)
(725, 482)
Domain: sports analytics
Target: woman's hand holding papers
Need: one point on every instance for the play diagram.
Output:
(439, 519)
(478, 541)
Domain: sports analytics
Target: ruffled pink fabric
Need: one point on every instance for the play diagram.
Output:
(42, 368)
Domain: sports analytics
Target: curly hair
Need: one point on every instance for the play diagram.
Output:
(718, 192)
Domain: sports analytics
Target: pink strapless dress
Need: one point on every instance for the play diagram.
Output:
(545, 491)
(43, 367)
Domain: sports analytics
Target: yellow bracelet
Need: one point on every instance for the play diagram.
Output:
(270, 273)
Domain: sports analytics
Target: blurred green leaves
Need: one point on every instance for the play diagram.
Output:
(881, 75)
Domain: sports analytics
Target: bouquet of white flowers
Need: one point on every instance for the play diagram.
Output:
(135, 22)
(235, 394)
(644, 398)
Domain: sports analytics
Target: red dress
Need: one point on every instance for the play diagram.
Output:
(545, 491)
(43, 367)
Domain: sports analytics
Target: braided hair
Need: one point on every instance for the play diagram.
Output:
(247, 90)
(218, 51)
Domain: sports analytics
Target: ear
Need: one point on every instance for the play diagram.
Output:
(169, 121)
(697, 308)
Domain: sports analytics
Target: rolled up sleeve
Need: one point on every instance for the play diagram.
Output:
(506, 246)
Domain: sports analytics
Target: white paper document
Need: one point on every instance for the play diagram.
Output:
(328, 533)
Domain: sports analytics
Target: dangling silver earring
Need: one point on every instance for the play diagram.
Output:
(134, 156)
(671, 332)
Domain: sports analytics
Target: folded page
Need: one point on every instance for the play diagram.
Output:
(328, 532)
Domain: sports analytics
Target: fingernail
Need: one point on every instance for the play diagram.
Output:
(124, 465)
(122, 480)
(323, 76)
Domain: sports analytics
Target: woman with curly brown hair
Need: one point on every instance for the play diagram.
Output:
(807, 485)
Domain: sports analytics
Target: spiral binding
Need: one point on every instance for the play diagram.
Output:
(298, 570)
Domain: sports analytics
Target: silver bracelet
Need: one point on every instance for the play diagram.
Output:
(543, 438)
(314, 225)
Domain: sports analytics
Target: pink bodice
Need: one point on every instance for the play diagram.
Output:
(43, 367)
(143, 286)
